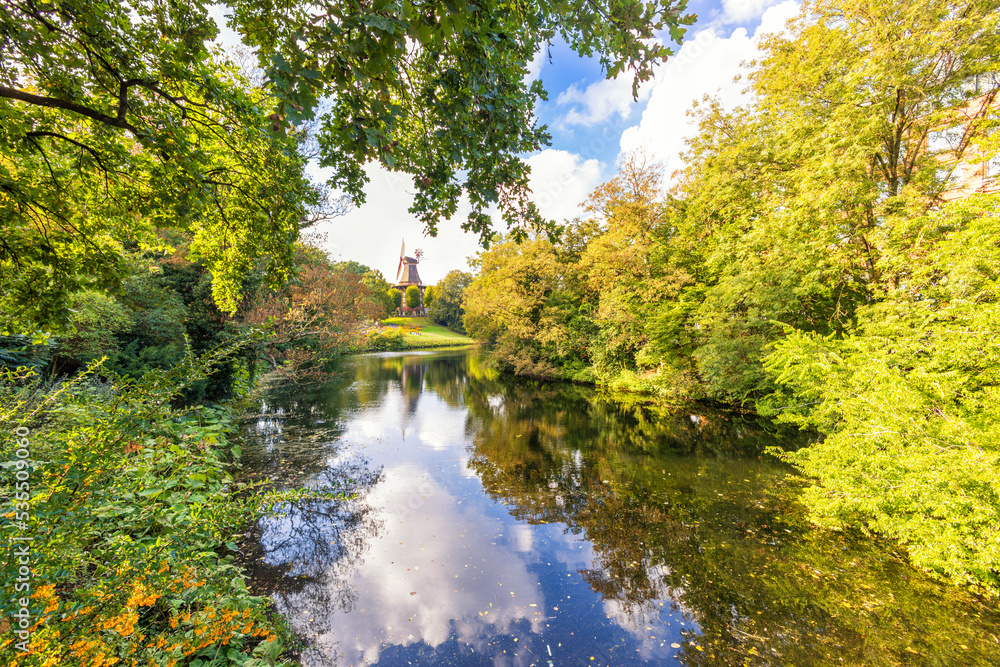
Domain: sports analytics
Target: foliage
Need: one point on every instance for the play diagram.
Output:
(395, 297)
(133, 517)
(640, 274)
(21, 351)
(387, 338)
(162, 307)
(523, 307)
(428, 296)
(445, 306)
(374, 281)
(121, 118)
(412, 297)
(314, 319)
(379, 288)
(437, 90)
(909, 404)
(96, 321)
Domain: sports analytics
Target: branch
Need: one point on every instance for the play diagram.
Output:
(47, 163)
(85, 147)
(53, 103)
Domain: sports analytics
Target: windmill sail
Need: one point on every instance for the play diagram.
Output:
(402, 253)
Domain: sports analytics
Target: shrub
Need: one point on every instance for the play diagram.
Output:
(395, 298)
(386, 339)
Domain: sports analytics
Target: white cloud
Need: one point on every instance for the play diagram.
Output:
(705, 65)
(535, 66)
(561, 181)
(371, 233)
(744, 11)
(432, 570)
(599, 102)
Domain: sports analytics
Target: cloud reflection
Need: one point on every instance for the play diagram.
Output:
(435, 573)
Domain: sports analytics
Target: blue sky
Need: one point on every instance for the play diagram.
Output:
(592, 121)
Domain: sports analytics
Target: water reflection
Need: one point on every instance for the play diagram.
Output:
(514, 524)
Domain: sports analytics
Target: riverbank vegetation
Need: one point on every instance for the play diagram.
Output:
(447, 296)
(132, 524)
(816, 260)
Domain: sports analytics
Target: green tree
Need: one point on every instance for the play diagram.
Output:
(908, 404)
(119, 119)
(96, 323)
(395, 297)
(793, 203)
(380, 288)
(446, 306)
(637, 279)
(412, 296)
(524, 307)
(882, 352)
(428, 295)
(160, 322)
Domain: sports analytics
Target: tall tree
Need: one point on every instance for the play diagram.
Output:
(802, 197)
(412, 296)
(524, 305)
(314, 319)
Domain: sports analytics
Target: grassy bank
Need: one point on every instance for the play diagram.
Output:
(414, 333)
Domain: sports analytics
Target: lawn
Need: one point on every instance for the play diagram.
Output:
(421, 332)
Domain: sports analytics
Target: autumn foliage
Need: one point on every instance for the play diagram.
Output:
(313, 319)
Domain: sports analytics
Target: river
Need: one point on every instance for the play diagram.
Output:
(500, 522)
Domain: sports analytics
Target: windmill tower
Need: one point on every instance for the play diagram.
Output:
(407, 276)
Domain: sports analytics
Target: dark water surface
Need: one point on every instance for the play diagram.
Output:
(504, 523)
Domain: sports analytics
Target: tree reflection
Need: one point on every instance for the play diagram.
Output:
(299, 542)
(685, 508)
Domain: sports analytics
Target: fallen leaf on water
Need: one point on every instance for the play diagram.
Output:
(674, 645)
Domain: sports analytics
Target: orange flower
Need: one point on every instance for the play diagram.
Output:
(44, 592)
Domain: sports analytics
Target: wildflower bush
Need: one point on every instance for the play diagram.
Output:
(132, 516)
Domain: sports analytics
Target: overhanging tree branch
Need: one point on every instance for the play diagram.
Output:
(56, 135)
(54, 103)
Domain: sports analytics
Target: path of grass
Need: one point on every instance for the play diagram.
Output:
(421, 332)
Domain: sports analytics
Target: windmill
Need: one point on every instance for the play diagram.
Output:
(402, 254)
